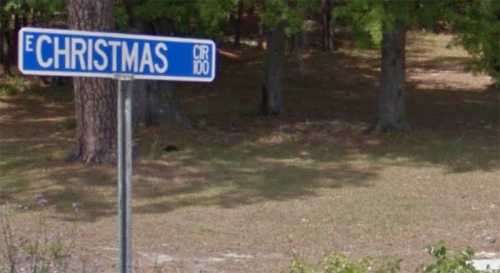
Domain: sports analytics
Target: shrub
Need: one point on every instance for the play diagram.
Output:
(339, 263)
(445, 261)
(448, 261)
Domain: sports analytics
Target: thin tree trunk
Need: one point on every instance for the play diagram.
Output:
(2, 36)
(7, 41)
(298, 52)
(14, 40)
(392, 95)
(262, 27)
(326, 18)
(333, 42)
(95, 99)
(272, 101)
(237, 24)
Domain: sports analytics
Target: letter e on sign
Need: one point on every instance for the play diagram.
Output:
(29, 43)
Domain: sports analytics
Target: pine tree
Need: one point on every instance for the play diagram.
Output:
(383, 24)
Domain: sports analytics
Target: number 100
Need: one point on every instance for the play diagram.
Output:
(201, 67)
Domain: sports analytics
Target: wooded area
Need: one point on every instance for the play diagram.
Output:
(376, 24)
(362, 128)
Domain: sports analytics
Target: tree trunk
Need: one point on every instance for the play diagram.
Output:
(326, 18)
(2, 36)
(272, 101)
(333, 42)
(262, 27)
(298, 52)
(14, 40)
(154, 101)
(392, 95)
(95, 99)
(237, 24)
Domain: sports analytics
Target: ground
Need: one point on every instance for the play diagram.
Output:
(246, 194)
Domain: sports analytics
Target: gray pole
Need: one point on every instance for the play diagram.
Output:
(124, 117)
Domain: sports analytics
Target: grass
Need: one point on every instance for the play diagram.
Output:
(309, 182)
(12, 86)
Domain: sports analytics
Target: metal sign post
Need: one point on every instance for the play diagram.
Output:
(123, 57)
(124, 165)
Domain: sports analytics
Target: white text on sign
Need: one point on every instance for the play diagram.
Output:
(201, 64)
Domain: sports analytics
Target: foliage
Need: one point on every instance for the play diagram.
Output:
(121, 17)
(371, 18)
(449, 262)
(478, 25)
(445, 261)
(179, 13)
(41, 10)
(339, 263)
(292, 12)
(201, 16)
(44, 9)
(213, 13)
(210, 16)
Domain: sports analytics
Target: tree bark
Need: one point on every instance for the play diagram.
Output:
(95, 99)
(392, 94)
(272, 101)
(155, 102)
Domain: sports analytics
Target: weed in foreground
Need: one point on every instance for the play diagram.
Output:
(44, 251)
(445, 261)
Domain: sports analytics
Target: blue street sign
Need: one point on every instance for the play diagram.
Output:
(54, 52)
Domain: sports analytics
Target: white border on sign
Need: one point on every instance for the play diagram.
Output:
(113, 35)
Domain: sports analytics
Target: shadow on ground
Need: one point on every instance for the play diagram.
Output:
(233, 157)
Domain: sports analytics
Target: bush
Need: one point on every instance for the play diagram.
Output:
(445, 261)
(339, 263)
(449, 262)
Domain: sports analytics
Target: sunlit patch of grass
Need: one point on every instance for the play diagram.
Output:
(455, 154)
